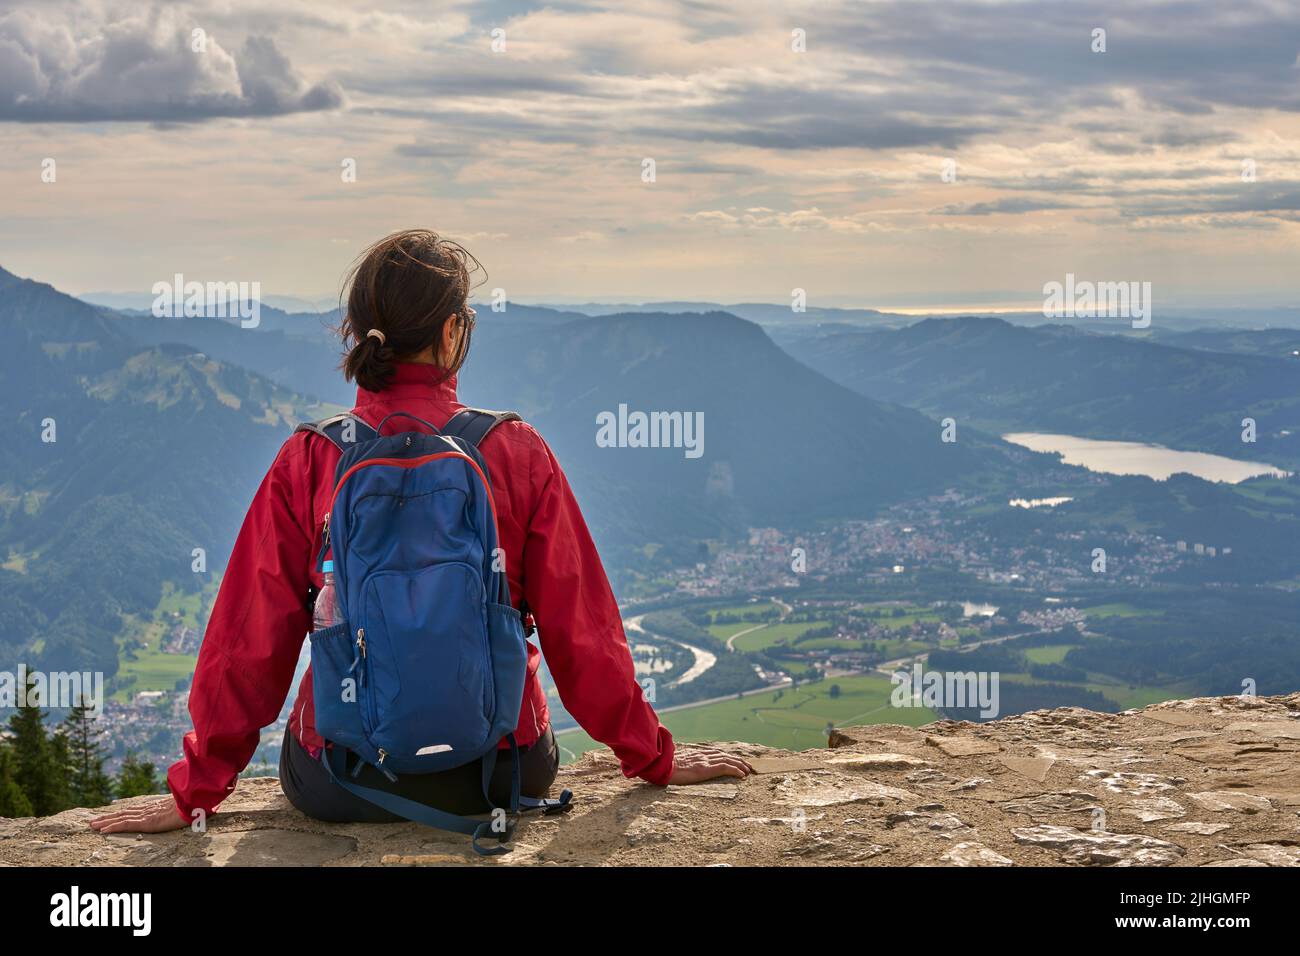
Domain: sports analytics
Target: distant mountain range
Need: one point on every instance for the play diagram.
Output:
(560, 369)
(1056, 378)
(164, 428)
(1278, 343)
(782, 316)
(156, 452)
(783, 445)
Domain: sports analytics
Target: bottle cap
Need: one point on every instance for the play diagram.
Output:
(327, 567)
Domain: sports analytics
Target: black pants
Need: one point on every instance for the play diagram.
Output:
(307, 783)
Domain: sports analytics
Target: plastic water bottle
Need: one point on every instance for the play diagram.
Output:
(325, 611)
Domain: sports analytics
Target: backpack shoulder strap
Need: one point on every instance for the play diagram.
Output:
(474, 424)
(332, 428)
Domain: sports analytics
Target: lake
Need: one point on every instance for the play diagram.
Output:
(1136, 458)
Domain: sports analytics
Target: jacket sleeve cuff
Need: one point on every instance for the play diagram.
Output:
(661, 768)
(184, 807)
(187, 797)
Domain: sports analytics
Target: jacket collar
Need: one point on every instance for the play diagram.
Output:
(412, 380)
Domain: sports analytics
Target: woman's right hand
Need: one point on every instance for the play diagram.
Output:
(705, 763)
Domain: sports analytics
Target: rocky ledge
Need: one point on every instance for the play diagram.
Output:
(1204, 782)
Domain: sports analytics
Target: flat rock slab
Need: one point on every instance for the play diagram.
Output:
(275, 848)
(858, 761)
(714, 791)
(815, 793)
(1204, 829)
(1152, 809)
(828, 847)
(1268, 729)
(1100, 847)
(784, 764)
(1035, 768)
(973, 854)
(964, 746)
(1237, 861)
(1177, 737)
(1232, 800)
(935, 822)
(1129, 782)
(1273, 854)
(1175, 718)
(1050, 804)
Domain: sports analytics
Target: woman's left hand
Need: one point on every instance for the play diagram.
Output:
(154, 816)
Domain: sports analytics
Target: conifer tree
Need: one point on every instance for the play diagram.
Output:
(88, 785)
(13, 802)
(38, 770)
(136, 778)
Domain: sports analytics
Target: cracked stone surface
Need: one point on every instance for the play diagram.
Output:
(1204, 782)
(1100, 847)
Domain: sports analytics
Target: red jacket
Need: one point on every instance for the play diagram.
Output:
(259, 620)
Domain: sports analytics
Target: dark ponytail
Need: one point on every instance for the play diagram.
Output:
(400, 294)
(370, 364)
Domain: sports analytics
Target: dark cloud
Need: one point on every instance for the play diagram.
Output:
(1014, 205)
(1247, 198)
(823, 132)
(133, 70)
(702, 168)
(1187, 57)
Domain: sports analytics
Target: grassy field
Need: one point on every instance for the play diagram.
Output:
(910, 616)
(775, 634)
(1119, 610)
(832, 644)
(792, 718)
(152, 669)
(1140, 695)
(1050, 654)
(902, 648)
(724, 631)
(1126, 696)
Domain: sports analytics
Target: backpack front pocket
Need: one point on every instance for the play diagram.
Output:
(429, 679)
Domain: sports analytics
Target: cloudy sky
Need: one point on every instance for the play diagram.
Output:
(220, 153)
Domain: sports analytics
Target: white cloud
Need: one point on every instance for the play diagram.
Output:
(138, 67)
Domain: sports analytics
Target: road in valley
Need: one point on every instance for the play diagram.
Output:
(785, 609)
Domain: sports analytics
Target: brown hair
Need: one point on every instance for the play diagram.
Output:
(408, 286)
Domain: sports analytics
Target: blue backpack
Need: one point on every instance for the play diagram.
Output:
(425, 669)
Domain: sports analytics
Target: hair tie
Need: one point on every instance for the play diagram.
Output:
(379, 335)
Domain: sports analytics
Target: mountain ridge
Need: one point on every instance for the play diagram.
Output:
(1056, 378)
